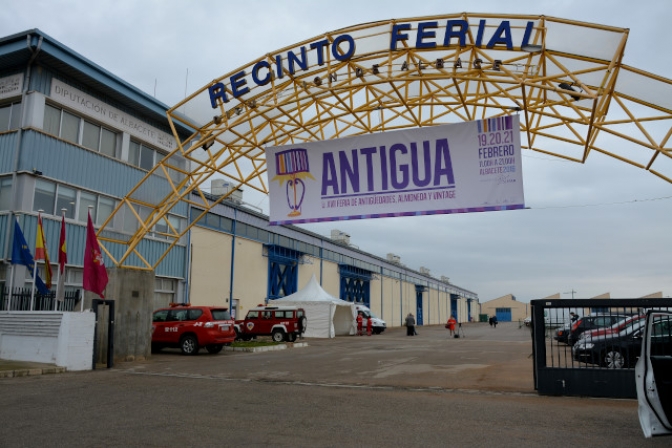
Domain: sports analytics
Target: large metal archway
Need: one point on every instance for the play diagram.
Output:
(566, 79)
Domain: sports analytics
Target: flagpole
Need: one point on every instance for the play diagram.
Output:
(32, 289)
(11, 286)
(59, 285)
(81, 302)
(11, 278)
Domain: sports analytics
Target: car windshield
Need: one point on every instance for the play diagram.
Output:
(221, 315)
(630, 329)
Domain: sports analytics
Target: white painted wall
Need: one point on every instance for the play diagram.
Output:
(64, 339)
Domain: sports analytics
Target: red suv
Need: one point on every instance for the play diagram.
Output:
(282, 323)
(191, 327)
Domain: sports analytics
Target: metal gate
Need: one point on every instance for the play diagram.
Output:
(588, 347)
(103, 334)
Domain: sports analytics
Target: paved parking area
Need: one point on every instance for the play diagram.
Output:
(484, 358)
(378, 391)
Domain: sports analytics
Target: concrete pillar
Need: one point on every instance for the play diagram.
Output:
(133, 294)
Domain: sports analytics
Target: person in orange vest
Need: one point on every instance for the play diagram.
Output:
(451, 325)
(369, 326)
(359, 323)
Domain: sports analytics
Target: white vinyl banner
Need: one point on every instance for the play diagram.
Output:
(455, 168)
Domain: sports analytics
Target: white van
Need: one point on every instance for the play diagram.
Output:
(378, 325)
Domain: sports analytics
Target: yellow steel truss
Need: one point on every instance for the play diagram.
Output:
(568, 82)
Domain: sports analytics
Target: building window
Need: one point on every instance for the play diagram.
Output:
(6, 193)
(52, 198)
(131, 223)
(45, 196)
(176, 222)
(69, 126)
(141, 156)
(212, 220)
(86, 200)
(10, 116)
(164, 292)
(102, 207)
(66, 199)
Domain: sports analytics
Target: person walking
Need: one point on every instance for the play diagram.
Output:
(410, 325)
(494, 321)
(451, 325)
(359, 323)
(369, 326)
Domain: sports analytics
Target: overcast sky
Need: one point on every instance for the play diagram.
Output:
(592, 229)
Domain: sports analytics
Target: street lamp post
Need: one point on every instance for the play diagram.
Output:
(572, 292)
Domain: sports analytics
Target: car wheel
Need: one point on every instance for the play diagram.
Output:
(278, 335)
(613, 359)
(303, 323)
(189, 345)
(292, 337)
(213, 349)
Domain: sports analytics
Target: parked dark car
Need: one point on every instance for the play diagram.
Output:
(614, 351)
(619, 350)
(591, 322)
(614, 329)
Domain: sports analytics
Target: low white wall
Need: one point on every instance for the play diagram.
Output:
(61, 338)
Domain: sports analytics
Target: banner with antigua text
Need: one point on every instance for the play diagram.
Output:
(455, 168)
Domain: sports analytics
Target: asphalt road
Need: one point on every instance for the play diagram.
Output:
(378, 391)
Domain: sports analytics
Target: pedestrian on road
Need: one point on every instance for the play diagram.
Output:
(410, 325)
(494, 321)
(359, 323)
(369, 326)
(490, 321)
(450, 325)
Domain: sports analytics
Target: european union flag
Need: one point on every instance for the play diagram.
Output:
(21, 255)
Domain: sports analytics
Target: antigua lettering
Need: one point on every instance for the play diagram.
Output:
(401, 167)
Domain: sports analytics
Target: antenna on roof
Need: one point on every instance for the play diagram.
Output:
(186, 83)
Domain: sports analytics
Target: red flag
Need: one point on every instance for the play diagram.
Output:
(41, 251)
(95, 274)
(62, 251)
(62, 261)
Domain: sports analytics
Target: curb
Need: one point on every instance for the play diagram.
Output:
(266, 348)
(31, 372)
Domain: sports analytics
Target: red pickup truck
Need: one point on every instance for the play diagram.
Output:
(282, 323)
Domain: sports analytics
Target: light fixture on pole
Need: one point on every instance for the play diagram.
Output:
(572, 292)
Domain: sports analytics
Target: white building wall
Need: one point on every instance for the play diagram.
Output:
(74, 349)
(210, 267)
(64, 339)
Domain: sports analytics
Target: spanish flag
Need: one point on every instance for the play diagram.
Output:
(41, 251)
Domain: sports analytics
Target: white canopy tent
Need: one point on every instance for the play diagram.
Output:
(327, 316)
